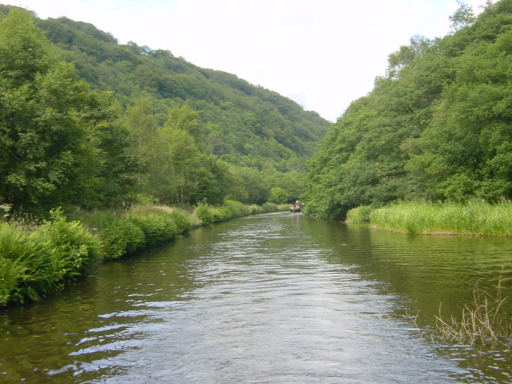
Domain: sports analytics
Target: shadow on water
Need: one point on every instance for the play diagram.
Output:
(275, 298)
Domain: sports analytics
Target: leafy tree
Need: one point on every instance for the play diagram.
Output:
(46, 118)
(60, 142)
(462, 17)
(277, 195)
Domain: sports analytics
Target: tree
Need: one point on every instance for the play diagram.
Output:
(46, 118)
(462, 17)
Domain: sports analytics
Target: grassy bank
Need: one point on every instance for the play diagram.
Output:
(473, 218)
(38, 260)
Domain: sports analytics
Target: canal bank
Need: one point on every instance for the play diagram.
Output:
(39, 260)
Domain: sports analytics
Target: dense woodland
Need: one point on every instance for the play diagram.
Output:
(437, 127)
(85, 121)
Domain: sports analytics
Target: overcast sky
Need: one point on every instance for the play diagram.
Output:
(321, 53)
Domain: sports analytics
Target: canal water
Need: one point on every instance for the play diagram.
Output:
(276, 298)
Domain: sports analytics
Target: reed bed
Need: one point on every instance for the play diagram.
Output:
(473, 218)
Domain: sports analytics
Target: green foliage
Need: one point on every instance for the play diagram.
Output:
(437, 127)
(119, 236)
(269, 207)
(166, 128)
(59, 142)
(73, 248)
(230, 210)
(359, 215)
(475, 217)
(277, 195)
(204, 213)
(244, 124)
(32, 266)
(157, 228)
(182, 222)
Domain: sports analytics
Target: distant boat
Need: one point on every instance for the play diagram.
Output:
(296, 207)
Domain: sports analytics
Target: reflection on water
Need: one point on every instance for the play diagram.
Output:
(275, 298)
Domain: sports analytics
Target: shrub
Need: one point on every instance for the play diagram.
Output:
(33, 265)
(14, 250)
(183, 223)
(156, 228)
(205, 215)
(269, 207)
(359, 215)
(121, 237)
(72, 247)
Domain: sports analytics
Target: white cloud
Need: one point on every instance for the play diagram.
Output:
(322, 53)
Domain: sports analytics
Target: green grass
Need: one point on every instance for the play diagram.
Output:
(359, 215)
(473, 218)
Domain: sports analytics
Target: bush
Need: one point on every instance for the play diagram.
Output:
(120, 238)
(156, 228)
(73, 248)
(15, 250)
(269, 207)
(183, 223)
(205, 215)
(359, 215)
(31, 266)
(239, 209)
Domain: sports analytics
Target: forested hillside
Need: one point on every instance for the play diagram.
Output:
(437, 127)
(244, 124)
(85, 121)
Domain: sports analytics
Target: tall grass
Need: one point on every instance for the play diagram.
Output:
(475, 217)
(359, 215)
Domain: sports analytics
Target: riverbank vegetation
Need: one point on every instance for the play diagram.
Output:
(421, 218)
(435, 128)
(38, 260)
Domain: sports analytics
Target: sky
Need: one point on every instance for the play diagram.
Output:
(323, 54)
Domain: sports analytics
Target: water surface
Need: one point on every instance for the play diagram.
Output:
(275, 298)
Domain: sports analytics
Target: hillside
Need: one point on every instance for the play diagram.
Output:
(87, 122)
(244, 124)
(437, 127)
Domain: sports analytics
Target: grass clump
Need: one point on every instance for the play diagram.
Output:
(359, 215)
(474, 217)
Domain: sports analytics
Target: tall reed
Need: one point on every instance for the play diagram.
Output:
(475, 217)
